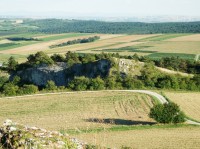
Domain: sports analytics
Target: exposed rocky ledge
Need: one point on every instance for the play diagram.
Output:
(16, 136)
(61, 74)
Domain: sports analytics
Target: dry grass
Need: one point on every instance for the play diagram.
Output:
(174, 72)
(5, 41)
(173, 47)
(166, 138)
(29, 49)
(71, 111)
(107, 41)
(189, 103)
(194, 37)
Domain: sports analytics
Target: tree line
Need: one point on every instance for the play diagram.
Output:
(65, 26)
(76, 41)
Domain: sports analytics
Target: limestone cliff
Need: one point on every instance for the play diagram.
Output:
(61, 74)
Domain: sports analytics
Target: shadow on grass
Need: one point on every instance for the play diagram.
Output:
(119, 122)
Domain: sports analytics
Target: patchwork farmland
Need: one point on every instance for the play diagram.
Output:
(152, 45)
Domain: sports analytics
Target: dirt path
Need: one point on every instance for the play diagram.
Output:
(159, 97)
(174, 72)
(197, 57)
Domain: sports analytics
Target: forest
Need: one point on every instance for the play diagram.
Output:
(65, 26)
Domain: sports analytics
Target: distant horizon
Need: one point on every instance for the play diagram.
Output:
(101, 8)
(150, 19)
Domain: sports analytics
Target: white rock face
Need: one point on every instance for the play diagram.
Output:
(7, 123)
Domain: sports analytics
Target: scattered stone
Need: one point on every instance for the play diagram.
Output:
(15, 136)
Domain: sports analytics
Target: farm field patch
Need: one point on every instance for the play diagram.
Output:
(189, 102)
(193, 37)
(78, 110)
(184, 137)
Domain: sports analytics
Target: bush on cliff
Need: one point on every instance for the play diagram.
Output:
(39, 58)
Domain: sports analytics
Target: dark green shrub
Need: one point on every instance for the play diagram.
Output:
(79, 84)
(50, 85)
(28, 89)
(12, 64)
(39, 58)
(167, 113)
(97, 84)
(10, 89)
(3, 80)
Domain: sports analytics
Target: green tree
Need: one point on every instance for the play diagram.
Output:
(9, 89)
(57, 58)
(79, 84)
(12, 64)
(72, 58)
(3, 80)
(28, 89)
(39, 58)
(50, 85)
(97, 84)
(167, 113)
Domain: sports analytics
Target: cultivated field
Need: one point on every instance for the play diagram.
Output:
(186, 46)
(195, 37)
(111, 119)
(189, 102)
(78, 110)
(160, 138)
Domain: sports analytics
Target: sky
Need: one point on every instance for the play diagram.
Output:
(101, 7)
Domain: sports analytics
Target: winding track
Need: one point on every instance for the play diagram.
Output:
(159, 97)
(197, 57)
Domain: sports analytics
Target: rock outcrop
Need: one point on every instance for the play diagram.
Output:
(41, 74)
(16, 136)
(61, 74)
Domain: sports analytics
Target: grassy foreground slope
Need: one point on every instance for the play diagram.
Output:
(78, 110)
(111, 119)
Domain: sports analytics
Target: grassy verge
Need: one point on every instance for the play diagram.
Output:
(125, 128)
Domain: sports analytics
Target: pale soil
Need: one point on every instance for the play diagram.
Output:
(107, 42)
(194, 37)
(173, 47)
(197, 57)
(29, 49)
(120, 45)
(165, 138)
(174, 72)
(189, 102)
(5, 41)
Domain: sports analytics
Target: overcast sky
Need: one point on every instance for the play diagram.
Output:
(101, 7)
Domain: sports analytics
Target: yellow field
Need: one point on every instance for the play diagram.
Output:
(110, 42)
(77, 110)
(189, 103)
(129, 44)
(173, 47)
(165, 138)
(195, 37)
(5, 41)
(33, 48)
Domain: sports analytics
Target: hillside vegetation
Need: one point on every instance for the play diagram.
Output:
(92, 72)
